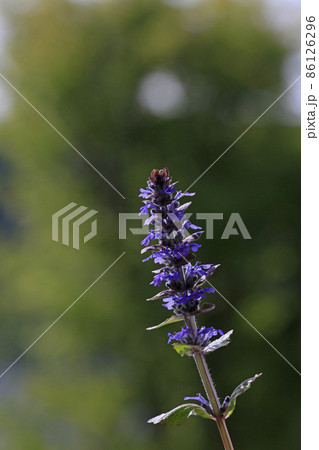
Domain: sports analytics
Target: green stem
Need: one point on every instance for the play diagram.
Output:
(210, 389)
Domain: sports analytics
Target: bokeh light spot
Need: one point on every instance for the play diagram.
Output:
(162, 94)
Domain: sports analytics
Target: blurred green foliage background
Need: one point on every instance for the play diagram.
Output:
(137, 85)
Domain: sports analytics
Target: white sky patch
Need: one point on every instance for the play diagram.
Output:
(4, 35)
(282, 14)
(291, 101)
(6, 102)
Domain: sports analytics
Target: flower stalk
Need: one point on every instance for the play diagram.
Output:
(210, 391)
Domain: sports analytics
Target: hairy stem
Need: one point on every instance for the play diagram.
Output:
(210, 389)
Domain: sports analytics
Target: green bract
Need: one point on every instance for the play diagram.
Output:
(238, 391)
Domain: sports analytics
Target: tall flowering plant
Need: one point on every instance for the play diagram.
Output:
(172, 243)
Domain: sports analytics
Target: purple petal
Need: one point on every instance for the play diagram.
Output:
(146, 240)
(199, 398)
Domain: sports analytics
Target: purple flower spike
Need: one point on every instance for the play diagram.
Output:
(176, 248)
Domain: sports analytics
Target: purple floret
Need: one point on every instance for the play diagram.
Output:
(199, 398)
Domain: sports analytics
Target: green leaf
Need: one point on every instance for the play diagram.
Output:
(217, 343)
(184, 349)
(238, 391)
(179, 414)
(171, 319)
